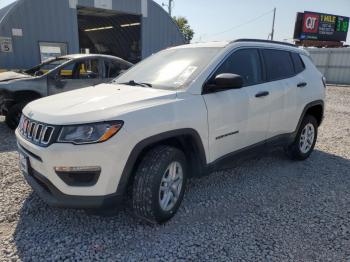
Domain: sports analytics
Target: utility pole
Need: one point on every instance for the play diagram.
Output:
(170, 7)
(273, 23)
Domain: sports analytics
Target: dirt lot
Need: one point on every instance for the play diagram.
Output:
(267, 208)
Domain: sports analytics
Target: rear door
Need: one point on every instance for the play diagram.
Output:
(77, 74)
(235, 119)
(282, 83)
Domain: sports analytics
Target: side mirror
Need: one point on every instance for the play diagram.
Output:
(225, 82)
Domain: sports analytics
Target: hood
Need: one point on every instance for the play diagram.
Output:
(94, 104)
(9, 76)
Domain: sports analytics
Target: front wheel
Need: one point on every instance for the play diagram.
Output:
(159, 184)
(305, 140)
(14, 115)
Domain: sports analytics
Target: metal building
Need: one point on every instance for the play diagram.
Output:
(333, 63)
(33, 30)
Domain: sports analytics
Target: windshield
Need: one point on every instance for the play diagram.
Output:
(169, 69)
(46, 66)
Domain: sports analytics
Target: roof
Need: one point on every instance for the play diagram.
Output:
(5, 10)
(251, 40)
(247, 42)
(78, 56)
(268, 44)
(221, 44)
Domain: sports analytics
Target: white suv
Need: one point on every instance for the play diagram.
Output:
(177, 114)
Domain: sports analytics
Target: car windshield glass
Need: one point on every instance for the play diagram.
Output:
(169, 69)
(46, 66)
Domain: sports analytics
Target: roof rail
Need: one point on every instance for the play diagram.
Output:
(262, 41)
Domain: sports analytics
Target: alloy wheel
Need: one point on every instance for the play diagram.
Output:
(171, 186)
(307, 138)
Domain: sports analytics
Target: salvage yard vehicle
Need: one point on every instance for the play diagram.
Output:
(180, 113)
(54, 76)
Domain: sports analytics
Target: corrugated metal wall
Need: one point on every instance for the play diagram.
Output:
(56, 21)
(40, 20)
(159, 31)
(4, 10)
(334, 64)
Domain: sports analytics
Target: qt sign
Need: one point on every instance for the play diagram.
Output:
(311, 22)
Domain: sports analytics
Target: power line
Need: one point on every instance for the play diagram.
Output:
(245, 23)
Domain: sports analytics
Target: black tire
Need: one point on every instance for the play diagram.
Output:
(148, 179)
(294, 150)
(14, 115)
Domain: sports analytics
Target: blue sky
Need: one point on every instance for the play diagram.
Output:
(209, 18)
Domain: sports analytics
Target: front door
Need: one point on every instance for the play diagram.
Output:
(75, 75)
(237, 118)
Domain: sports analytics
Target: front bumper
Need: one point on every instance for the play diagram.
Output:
(57, 192)
(53, 197)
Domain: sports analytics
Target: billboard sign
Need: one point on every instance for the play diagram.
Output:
(322, 27)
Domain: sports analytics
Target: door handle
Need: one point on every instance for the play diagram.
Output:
(262, 94)
(302, 84)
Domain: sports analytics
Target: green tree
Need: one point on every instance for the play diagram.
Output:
(185, 28)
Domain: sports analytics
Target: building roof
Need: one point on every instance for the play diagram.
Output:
(5, 10)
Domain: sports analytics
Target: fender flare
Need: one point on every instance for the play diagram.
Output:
(306, 108)
(142, 145)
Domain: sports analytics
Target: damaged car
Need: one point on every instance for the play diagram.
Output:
(54, 76)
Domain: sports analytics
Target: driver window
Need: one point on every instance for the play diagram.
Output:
(246, 63)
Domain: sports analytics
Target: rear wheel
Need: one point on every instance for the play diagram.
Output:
(305, 140)
(159, 184)
(14, 115)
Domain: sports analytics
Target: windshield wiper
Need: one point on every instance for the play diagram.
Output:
(133, 83)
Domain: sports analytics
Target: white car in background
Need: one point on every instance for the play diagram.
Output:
(180, 113)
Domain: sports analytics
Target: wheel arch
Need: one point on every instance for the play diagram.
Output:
(25, 96)
(188, 140)
(316, 109)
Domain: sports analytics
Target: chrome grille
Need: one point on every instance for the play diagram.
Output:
(36, 132)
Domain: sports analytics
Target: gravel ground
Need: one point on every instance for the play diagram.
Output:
(265, 209)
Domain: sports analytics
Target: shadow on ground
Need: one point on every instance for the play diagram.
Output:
(295, 209)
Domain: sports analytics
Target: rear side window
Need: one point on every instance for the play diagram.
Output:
(246, 63)
(299, 65)
(279, 64)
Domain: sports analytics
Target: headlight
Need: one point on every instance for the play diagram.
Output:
(89, 133)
